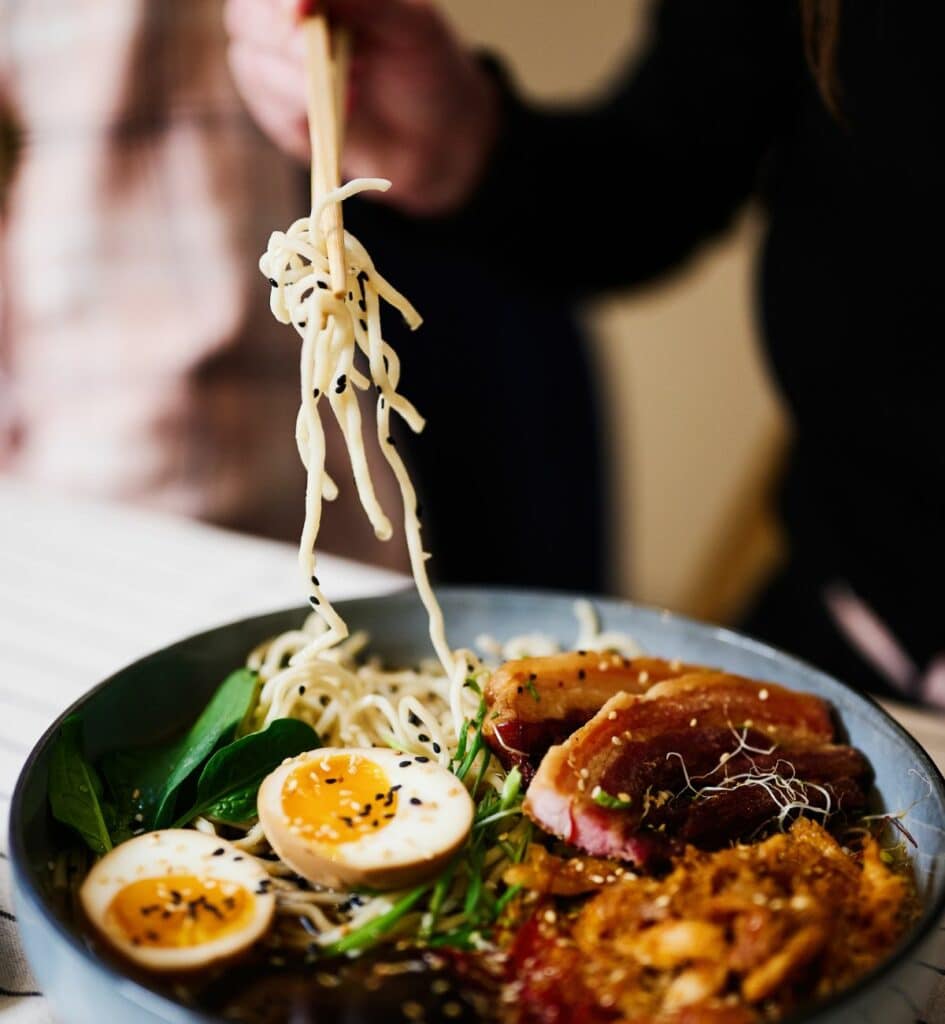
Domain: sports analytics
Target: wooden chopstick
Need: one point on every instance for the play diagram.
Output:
(323, 120)
(342, 57)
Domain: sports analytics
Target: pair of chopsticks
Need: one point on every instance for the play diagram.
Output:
(326, 78)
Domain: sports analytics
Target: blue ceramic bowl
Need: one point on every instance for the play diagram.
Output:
(165, 690)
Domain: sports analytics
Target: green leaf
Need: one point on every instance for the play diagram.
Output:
(229, 781)
(75, 790)
(133, 796)
(217, 723)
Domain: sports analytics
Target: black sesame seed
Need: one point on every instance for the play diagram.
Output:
(315, 581)
(416, 801)
(389, 815)
(237, 858)
(313, 600)
(423, 738)
(520, 689)
(421, 760)
(582, 674)
(316, 393)
(301, 689)
(323, 285)
(324, 700)
(273, 283)
(403, 764)
(413, 719)
(399, 785)
(375, 823)
(583, 654)
(436, 748)
(301, 323)
(330, 782)
(378, 796)
(340, 384)
(219, 852)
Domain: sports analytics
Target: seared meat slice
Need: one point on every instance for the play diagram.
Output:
(536, 702)
(705, 759)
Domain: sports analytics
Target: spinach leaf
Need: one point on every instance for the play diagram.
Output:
(75, 790)
(131, 791)
(229, 781)
(217, 723)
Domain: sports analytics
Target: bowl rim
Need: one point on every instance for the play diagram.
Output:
(173, 1011)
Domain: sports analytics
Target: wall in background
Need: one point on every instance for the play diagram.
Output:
(695, 428)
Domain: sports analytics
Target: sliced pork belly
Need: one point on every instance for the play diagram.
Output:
(536, 702)
(705, 758)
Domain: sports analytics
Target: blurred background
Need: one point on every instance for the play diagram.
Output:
(695, 429)
(692, 432)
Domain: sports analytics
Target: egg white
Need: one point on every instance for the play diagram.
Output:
(413, 846)
(177, 852)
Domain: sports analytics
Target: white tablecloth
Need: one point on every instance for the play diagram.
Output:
(87, 588)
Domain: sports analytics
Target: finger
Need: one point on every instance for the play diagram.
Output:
(273, 74)
(279, 111)
(268, 26)
(390, 21)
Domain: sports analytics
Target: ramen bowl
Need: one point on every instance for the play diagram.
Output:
(158, 695)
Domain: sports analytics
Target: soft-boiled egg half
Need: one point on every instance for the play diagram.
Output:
(350, 817)
(177, 900)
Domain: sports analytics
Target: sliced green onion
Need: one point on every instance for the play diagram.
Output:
(511, 788)
(368, 933)
(498, 816)
(438, 898)
(604, 799)
(506, 898)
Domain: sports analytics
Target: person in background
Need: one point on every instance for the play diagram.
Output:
(827, 114)
(138, 356)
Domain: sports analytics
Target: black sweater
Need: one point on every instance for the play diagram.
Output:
(721, 108)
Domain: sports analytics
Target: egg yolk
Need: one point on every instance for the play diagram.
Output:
(176, 911)
(335, 800)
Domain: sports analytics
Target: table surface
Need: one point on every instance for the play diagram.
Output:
(86, 588)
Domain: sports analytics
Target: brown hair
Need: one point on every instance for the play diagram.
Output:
(820, 22)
